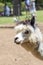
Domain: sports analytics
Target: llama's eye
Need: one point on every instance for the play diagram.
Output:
(26, 32)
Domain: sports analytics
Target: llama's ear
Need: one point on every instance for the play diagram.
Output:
(32, 21)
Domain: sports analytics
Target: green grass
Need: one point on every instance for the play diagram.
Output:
(6, 20)
(40, 16)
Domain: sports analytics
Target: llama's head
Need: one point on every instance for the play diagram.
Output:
(25, 31)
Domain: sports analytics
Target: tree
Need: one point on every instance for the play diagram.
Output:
(17, 7)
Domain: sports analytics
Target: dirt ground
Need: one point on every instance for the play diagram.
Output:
(13, 54)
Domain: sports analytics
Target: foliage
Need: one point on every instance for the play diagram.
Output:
(22, 6)
(38, 2)
(1, 7)
(5, 0)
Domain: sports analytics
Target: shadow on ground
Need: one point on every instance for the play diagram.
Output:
(29, 48)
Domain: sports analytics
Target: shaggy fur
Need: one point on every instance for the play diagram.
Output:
(29, 32)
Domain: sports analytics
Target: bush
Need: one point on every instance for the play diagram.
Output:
(1, 7)
(23, 6)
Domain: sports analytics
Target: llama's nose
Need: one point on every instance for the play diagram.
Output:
(15, 40)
